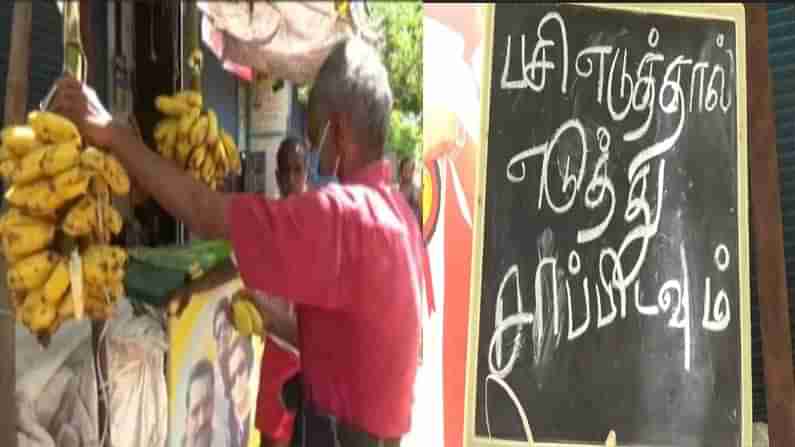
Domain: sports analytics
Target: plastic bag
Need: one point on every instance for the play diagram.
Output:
(136, 348)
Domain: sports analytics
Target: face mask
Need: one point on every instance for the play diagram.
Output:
(313, 165)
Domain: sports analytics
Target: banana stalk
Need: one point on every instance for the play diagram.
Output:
(74, 57)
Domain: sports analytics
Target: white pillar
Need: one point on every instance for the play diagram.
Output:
(270, 112)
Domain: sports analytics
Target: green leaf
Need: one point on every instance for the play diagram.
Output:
(402, 56)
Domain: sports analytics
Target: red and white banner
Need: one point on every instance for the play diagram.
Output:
(452, 61)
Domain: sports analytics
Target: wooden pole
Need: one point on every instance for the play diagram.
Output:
(767, 228)
(15, 113)
(19, 64)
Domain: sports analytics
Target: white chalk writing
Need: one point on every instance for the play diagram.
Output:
(658, 86)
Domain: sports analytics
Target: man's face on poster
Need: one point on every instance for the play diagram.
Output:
(198, 427)
(236, 369)
(225, 333)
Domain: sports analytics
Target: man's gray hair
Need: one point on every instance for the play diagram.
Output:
(354, 81)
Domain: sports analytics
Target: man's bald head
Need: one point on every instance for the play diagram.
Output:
(353, 82)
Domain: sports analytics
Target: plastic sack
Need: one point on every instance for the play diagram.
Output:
(760, 435)
(287, 40)
(136, 348)
(56, 390)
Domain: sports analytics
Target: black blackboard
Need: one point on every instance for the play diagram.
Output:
(581, 177)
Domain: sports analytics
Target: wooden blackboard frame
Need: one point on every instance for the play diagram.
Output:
(731, 12)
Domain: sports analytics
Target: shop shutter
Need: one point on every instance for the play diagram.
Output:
(46, 49)
(220, 92)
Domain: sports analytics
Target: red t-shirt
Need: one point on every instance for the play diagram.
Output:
(350, 256)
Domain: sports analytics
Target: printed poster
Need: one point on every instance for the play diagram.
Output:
(213, 375)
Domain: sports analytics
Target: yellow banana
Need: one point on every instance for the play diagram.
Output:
(30, 167)
(66, 309)
(53, 128)
(30, 195)
(198, 133)
(71, 184)
(187, 121)
(229, 142)
(220, 155)
(57, 283)
(43, 317)
(172, 106)
(31, 272)
(60, 157)
(192, 97)
(162, 127)
(183, 152)
(111, 219)
(81, 218)
(170, 134)
(15, 216)
(31, 302)
(231, 152)
(256, 318)
(103, 264)
(7, 168)
(167, 151)
(5, 154)
(40, 314)
(19, 140)
(109, 168)
(22, 240)
(197, 157)
(208, 171)
(241, 316)
(212, 127)
(116, 176)
(92, 158)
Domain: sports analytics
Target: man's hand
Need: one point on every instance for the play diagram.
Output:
(79, 103)
(280, 320)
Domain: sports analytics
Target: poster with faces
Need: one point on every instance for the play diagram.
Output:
(213, 375)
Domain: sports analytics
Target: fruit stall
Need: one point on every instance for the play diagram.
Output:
(83, 244)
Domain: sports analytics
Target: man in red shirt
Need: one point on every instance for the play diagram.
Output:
(349, 255)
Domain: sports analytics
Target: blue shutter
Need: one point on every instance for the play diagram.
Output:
(781, 45)
(46, 49)
(220, 92)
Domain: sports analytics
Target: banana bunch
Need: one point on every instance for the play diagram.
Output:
(246, 318)
(60, 220)
(192, 138)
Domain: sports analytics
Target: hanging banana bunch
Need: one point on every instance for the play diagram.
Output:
(56, 234)
(191, 136)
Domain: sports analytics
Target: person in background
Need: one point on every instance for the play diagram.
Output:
(312, 163)
(278, 400)
(349, 255)
(199, 406)
(407, 185)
